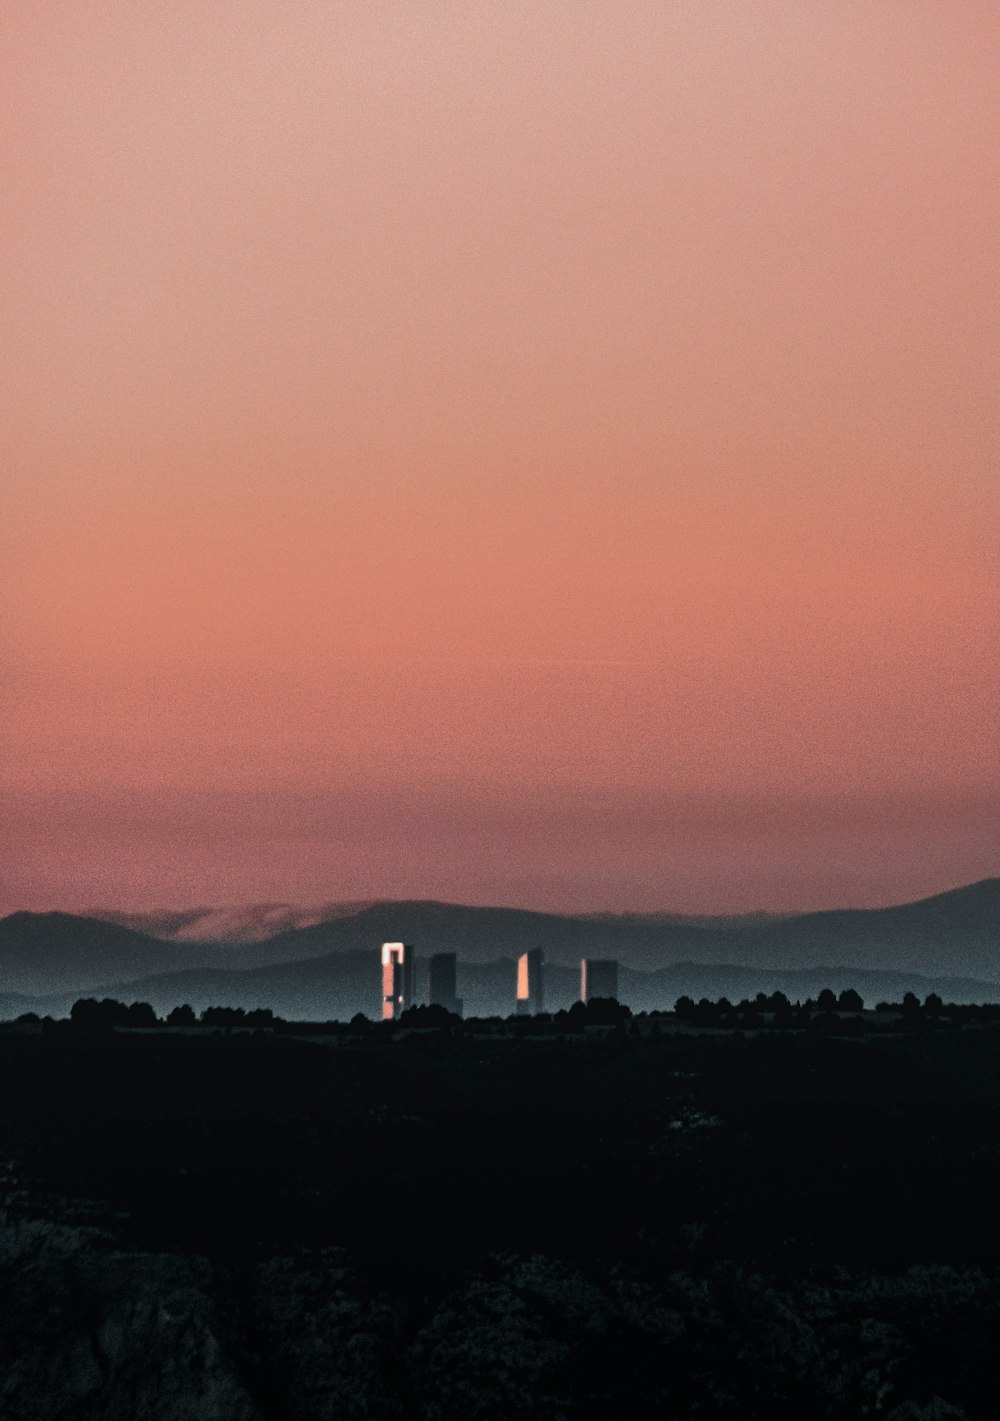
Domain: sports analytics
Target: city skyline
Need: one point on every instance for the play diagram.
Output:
(531, 455)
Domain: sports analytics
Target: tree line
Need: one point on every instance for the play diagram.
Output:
(828, 1007)
(765, 1010)
(108, 1014)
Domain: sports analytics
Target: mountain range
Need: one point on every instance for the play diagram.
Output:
(322, 961)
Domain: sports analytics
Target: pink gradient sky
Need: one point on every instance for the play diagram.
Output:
(513, 452)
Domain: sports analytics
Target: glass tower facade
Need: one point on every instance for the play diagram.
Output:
(397, 979)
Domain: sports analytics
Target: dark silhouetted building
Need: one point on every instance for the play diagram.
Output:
(598, 978)
(442, 982)
(530, 998)
(397, 979)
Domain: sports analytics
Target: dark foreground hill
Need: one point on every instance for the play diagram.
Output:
(254, 1228)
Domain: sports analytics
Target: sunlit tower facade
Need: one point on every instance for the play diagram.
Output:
(598, 978)
(442, 982)
(530, 997)
(397, 979)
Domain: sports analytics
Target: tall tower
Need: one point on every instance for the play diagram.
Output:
(397, 979)
(530, 997)
(598, 978)
(442, 982)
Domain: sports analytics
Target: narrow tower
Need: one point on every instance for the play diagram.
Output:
(530, 997)
(397, 979)
(442, 982)
(598, 978)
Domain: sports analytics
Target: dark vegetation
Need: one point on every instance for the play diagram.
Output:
(831, 1011)
(424, 1219)
(843, 1012)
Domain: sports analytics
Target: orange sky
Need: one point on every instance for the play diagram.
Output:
(516, 452)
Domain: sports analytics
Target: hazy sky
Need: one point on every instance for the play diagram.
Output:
(517, 452)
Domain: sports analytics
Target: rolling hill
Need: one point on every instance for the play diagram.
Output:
(950, 941)
(59, 952)
(957, 932)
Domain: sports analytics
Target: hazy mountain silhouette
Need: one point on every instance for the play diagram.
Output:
(250, 923)
(484, 934)
(690, 920)
(46, 952)
(955, 932)
(317, 969)
(53, 953)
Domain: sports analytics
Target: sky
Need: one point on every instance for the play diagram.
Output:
(523, 453)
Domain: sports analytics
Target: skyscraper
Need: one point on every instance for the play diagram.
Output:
(397, 979)
(598, 978)
(442, 982)
(530, 997)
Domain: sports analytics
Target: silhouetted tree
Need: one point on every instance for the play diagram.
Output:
(911, 1008)
(570, 1019)
(933, 1004)
(850, 1000)
(140, 1014)
(606, 1011)
(429, 1016)
(684, 1007)
(783, 1013)
(260, 1016)
(95, 1015)
(86, 1012)
(706, 1013)
(223, 1016)
(182, 1016)
(826, 1001)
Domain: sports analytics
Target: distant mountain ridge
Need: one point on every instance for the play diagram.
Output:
(953, 935)
(691, 920)
(59, 951)
(254, 922)
(957, 931)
